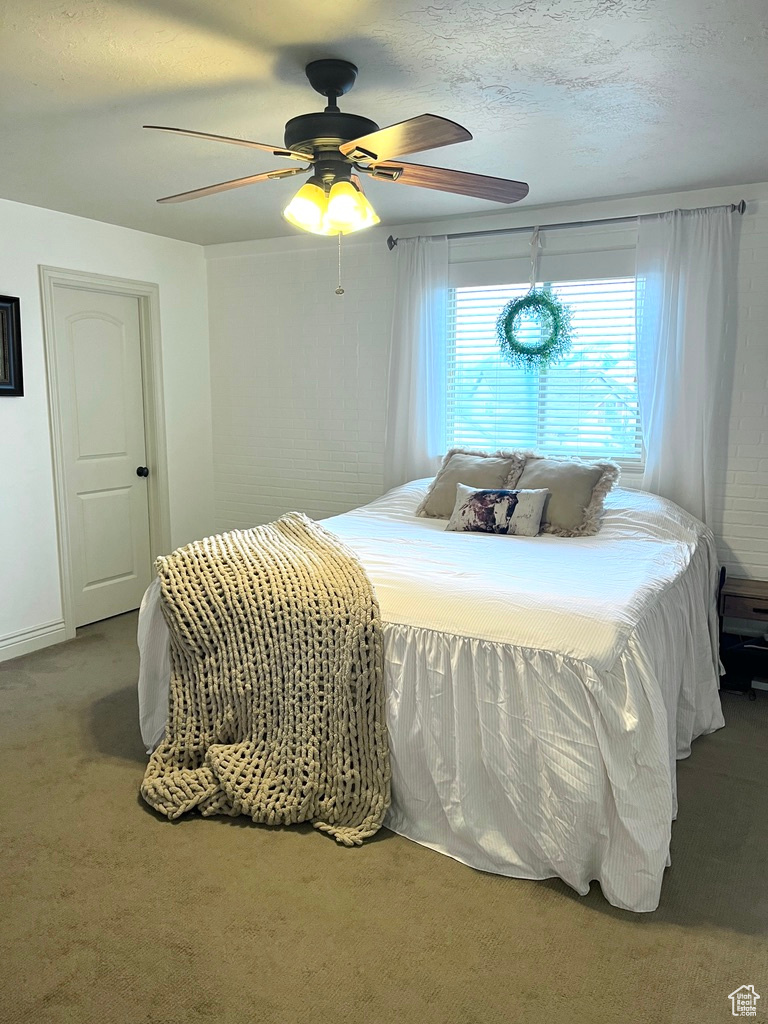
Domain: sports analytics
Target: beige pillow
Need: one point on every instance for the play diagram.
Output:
(577, 493)
(498, 470)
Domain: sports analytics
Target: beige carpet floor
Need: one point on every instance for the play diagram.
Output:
(112, 914)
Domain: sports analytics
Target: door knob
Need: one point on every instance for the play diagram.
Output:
(142, 471)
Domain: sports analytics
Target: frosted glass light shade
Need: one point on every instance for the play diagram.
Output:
(307, 209)
(348, 209)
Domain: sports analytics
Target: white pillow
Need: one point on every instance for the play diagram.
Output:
(514, 512)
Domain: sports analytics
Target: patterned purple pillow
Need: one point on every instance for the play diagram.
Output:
(498, 511)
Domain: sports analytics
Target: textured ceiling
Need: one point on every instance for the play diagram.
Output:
(581, 98)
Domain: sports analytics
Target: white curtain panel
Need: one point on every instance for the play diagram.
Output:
(415, 436)
(685, 276)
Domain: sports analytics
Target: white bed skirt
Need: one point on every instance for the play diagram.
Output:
(544, 768)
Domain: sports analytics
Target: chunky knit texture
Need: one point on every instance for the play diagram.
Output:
(276, 700)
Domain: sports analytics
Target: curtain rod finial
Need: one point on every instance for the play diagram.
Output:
(391, 243)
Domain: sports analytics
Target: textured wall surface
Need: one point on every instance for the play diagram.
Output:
(298, 380)
(741, 521)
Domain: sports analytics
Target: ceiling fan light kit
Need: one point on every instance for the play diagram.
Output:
(335, 144)
(338, 210)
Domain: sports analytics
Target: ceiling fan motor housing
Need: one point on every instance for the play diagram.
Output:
(326, 129)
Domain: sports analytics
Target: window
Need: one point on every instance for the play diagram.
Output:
(584, 405)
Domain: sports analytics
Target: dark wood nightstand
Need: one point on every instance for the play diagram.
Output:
(745, 658)
(744, 599)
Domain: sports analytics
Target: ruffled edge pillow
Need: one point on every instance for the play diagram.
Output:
(577, 492)
(439, 501)
(487, 510)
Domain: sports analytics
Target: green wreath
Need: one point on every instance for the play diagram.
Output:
(556, 325)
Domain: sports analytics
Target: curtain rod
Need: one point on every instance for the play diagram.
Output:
(739, 207)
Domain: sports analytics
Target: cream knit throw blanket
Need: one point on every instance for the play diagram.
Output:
(276, 702)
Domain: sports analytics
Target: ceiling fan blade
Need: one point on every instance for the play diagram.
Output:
(427, 131)
(224, 186)
(479, 186)
(274, 150)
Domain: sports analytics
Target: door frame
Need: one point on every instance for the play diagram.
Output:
(148, 296)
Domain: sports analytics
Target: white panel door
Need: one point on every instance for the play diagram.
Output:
(98, 356)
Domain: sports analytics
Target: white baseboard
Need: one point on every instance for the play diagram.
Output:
(27, 640)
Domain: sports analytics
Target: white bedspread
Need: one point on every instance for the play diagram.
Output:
(539, 689)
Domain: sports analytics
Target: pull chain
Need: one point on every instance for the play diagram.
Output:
(339, 290)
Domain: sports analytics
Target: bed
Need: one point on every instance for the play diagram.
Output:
(539, 690)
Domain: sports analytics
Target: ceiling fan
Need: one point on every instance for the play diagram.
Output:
(339, 147)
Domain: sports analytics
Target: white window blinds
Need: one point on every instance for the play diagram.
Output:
(585, 404)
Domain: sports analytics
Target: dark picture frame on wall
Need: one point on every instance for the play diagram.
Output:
(11, 380)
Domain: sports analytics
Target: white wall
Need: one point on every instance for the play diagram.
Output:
(741, 523)
(30, 598)
(299, 374)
